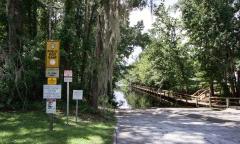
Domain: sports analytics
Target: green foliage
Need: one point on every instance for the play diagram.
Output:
(198, 50)
(211, 26)
(131, 37)
(165, 63)
(76, 23)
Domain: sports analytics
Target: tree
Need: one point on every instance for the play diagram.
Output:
(107, 38)
(165, 62)
(211, 28)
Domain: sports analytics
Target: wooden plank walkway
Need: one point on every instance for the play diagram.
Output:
(187, 99)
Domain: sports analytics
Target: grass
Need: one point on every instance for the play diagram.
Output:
(32, 128)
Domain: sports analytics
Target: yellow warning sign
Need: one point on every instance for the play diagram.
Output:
(52, 81)
(53, 54)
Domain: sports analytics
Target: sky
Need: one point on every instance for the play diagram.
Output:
(148, 19)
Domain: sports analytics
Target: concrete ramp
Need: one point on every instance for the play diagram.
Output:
(178, 126)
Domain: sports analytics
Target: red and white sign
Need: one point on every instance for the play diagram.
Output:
(68, 73)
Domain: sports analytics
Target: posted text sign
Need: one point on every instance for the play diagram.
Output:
(52, 54)
(68, 73)
(51, 106)
(52, 91)
(67, 79)
(52, 72)
(77, 94)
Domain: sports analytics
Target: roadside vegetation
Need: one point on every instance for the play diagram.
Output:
(95, 38)
(198, 49)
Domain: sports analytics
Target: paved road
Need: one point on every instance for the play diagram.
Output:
(178, 126)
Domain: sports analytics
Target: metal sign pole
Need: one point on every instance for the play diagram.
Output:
(76, 109)
(67, 79)
(67, 101)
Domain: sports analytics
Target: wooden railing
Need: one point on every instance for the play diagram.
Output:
(226, 100)
(190, 99)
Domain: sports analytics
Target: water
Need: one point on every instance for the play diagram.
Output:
(120, 98)
(128, 99)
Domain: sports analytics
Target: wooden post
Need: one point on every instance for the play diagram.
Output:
(196, 102)
(227, 102)
(210, 103)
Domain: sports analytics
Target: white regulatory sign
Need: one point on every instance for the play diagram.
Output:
(52, 91)
(51, 106)
(67, 79)
(77, 94)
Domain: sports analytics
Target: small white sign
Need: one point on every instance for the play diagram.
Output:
(51, 106)
(52, 72)
(77, 94)
(67, 79)
(52, 91)
(68, 73)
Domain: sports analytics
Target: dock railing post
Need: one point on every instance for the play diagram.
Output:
(210, 103)
(196, 101)
(227, 102)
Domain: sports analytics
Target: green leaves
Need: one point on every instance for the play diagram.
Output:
(165, 61)
(210, 27)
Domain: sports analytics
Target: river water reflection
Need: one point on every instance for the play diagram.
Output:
(128, 99)
(120, 98)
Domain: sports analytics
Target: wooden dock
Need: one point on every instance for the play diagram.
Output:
(190, 100)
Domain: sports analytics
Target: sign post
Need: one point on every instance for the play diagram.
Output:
(51, 92)
(67, 79)
(67, 101)
(76, 110)
(52, 62)
(77, 95)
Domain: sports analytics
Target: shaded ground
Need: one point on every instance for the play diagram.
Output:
(32, 128)
(178, 126)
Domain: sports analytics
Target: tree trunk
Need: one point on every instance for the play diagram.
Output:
(107, 38)
(13, 60)
(14, 25)
(88, 26)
